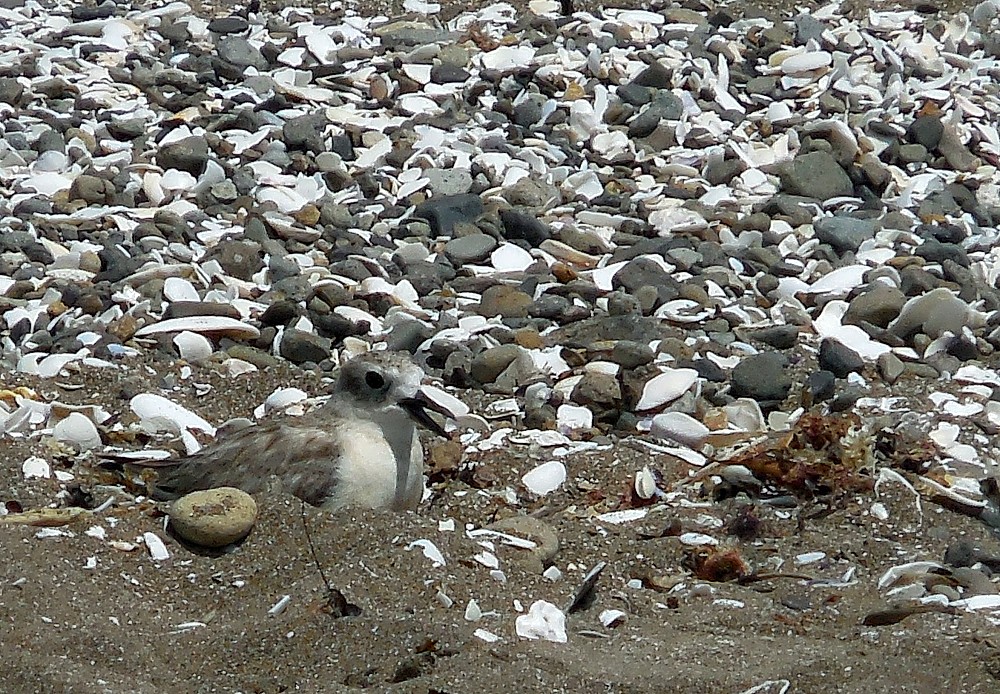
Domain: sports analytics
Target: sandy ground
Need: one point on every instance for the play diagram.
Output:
(119, 626)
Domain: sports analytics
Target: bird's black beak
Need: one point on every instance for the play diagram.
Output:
(417, 407)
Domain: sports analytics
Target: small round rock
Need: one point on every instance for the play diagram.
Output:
(213, 517)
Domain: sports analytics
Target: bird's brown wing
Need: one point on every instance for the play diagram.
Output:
(301, 456)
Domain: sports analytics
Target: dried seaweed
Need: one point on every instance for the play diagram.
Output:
(820, 454)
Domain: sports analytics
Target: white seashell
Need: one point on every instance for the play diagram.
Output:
(36, 468)
(679, 427)
(611, 145)
(971, 373)
(545, 478)
(910, 572)
(179, 289)
(202, 324)
(544, 621)
(879, 510)
(167, 415)
(446, 400)
(978, 602)
(573, 417)
(472, 612)
(645, 483)
(507, 57)
(668, 386)
(487, 636)
(193, 347)
(677, 220)
(511, 258)
(697, 539)
(584, 183)
(612, 618)
(238, 367)
(284, 397)
(487, 559)
(277, 608)
(77, 430)
(430, 551)
(805, 62)
(157, 550)
(839, 282)
(809, 558)
(626, 516)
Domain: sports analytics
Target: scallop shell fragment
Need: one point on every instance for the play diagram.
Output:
(667, 387)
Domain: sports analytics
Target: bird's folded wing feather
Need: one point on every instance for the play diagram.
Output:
(302, 457)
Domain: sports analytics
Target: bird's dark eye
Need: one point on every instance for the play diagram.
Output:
(374, 380)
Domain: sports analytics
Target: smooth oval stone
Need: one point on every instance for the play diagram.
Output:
(213, 517)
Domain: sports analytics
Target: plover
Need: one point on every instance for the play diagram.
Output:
(360, 448)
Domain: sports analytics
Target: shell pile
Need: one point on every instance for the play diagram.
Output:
(763, 250)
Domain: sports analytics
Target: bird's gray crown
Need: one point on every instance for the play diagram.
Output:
(378, 379)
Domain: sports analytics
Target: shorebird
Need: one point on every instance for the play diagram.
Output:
(359, 449)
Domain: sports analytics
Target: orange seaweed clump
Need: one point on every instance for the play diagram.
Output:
(717, 564)
(820, 454)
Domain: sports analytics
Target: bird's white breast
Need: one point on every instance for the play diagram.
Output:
(367, 468)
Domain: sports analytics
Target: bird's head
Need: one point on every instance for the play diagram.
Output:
(378, 380)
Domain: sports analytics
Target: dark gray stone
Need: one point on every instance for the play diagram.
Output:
(816, 175)
(822, 385)
(189, 154)
(304, 132)
(126, 128)
(597, 389)
(763, 377)
(239, 52)
(808, 28)
(635, 94)
(228, 25)
(474, 248)
(445, 182)
(443, 213)
(838, 358)
(299, 347)
(490, 363)
(777, 336)
(523, 225)
(91, 189)
(643, 272)
(879, 305)
(446, 73)
(664, 106)
(241, 259)
(656, 76)
(11, 92)
(936, 252)
(844, 233)
(630, 355)
(926, 131)
(407, 336)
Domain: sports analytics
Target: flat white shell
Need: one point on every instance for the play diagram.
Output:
(430, 551)
(679, 427)
(157, 550)
(668, 386)
(544, 621)
(202, 324)
(77, 430)
(166, 414)
(545, 478)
